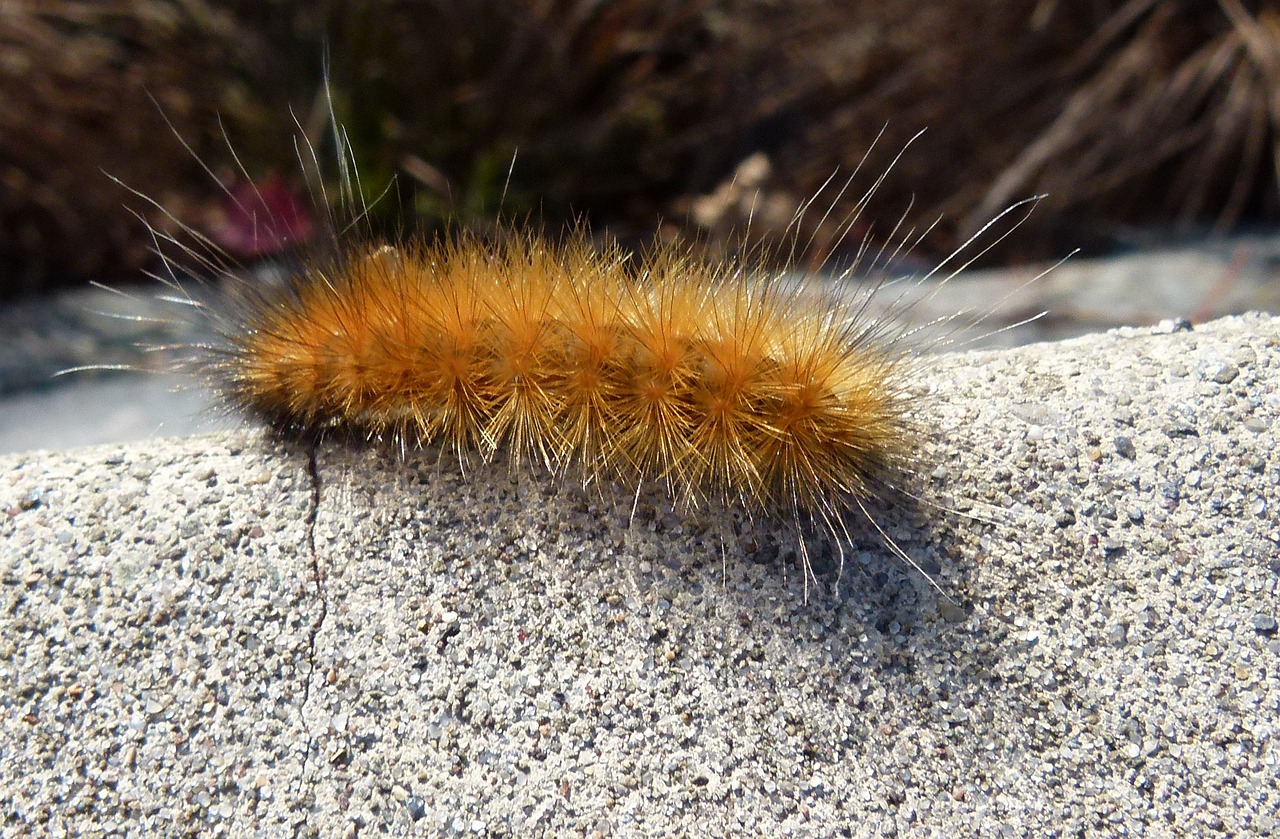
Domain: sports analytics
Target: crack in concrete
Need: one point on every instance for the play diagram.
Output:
(306, 780)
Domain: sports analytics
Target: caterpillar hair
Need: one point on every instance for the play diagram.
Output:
(726, 383)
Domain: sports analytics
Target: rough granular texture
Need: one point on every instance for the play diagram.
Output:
(224, 634)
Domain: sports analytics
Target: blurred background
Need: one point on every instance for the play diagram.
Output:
(1152, 126)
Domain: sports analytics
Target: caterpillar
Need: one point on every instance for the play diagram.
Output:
(725, 383)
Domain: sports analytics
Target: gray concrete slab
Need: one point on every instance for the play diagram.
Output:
(221, 634)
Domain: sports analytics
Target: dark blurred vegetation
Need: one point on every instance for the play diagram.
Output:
(1127, 112)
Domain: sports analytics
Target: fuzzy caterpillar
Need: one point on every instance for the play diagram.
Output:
(713, 380)
(727, 384)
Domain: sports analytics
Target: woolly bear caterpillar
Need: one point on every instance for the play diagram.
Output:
(726, 384)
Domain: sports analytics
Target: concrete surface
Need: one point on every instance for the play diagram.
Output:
(123, 409)
(224, 635)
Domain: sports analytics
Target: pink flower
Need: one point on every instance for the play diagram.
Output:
(263, 219)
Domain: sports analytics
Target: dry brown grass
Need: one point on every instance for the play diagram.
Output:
(76, 82)
(1169, 111)
(1124, 111)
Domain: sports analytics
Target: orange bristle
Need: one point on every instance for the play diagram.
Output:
(719, 383)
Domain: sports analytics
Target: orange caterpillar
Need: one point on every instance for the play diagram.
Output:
(724, 383)
(717, 381)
